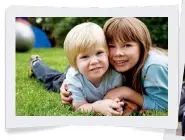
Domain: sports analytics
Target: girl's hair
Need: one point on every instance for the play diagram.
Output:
(122, 30)
(83, 38)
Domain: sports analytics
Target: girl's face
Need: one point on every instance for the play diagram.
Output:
(124, 57)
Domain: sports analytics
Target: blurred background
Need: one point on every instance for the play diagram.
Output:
(51, 31)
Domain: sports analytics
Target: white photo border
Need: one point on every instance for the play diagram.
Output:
(170, 121)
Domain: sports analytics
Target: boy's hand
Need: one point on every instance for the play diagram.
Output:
(66, 97)
(108, 107)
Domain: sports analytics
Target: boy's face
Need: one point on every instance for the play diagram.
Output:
(93, 64)
(124, 57)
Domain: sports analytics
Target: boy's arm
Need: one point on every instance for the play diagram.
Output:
(66, 97)
(106, 107)
(75, 87)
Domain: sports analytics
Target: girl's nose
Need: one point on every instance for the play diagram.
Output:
(119, 51)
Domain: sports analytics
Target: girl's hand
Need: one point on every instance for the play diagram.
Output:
(108, 107)
(121, 105)
(66, 97)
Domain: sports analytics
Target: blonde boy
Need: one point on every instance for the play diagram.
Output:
(90, 77)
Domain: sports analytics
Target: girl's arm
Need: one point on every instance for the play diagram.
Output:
(125, 93)
(155, 87)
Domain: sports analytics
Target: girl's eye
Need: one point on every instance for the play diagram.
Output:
(100, 52)
(83, 57)
(127, 45)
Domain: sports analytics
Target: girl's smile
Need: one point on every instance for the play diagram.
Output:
(120, 62)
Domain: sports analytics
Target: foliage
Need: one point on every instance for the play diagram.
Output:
(66, 24)
(58, 27)
(158, 28)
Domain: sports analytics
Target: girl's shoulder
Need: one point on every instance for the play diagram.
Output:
(155, 58)
(155, 62)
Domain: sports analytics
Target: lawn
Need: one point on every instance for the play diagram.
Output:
(32, 99)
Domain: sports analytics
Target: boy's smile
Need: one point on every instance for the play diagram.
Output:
(95, 69)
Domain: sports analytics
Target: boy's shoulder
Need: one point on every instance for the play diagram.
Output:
(113, 73)
(74, 76)
(72, 72)
(113, 76)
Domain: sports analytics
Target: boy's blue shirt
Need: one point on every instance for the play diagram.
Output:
(84, 91)
(155, 81)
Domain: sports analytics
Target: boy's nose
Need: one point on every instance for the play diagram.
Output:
(94, 60)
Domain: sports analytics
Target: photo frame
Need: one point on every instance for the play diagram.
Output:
(170, 121)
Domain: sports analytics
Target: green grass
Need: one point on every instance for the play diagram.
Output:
(32, 99)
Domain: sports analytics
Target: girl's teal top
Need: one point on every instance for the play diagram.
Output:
(155, 81)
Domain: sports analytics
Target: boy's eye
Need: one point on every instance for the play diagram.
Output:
(83, 57)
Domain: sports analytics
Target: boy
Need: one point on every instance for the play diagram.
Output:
(89, 77)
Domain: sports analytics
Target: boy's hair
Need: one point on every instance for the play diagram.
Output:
(122, 30)
(83, 38)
